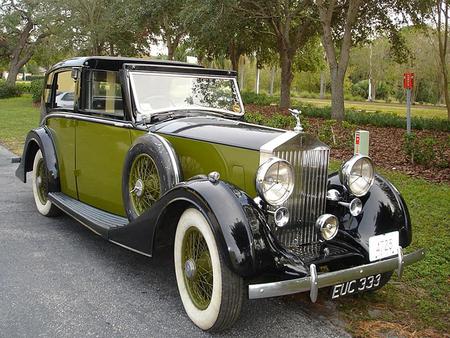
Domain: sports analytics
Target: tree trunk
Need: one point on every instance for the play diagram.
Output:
(242, 77)
(446, 93)
(286, 79)
(322, 85)
(170, 50)
(13, 71)
(258, 73)
(272, 80)
(337, 94)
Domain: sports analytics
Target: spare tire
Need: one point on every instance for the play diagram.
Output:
(151, 168)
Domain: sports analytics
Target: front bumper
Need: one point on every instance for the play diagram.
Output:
(315, 281)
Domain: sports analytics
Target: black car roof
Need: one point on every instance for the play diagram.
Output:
(114, 63)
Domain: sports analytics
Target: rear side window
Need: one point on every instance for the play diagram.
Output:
(64, 90)
(105, 94)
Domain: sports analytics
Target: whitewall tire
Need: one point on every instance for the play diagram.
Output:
(40, 187)
(211, 293)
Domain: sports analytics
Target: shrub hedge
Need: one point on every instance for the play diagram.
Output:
(36, 90)
(379, 119)
(8, 91)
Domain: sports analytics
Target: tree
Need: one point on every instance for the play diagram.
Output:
(25, 26)
(223, 31)
(441, 19)
(104, 27)
(347, 23)
(162, 19)
(289, 25)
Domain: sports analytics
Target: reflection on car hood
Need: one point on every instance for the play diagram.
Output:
(218, 130)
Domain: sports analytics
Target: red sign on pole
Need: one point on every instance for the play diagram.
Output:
(408, 80)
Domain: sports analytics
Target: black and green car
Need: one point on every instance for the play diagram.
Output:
(152, 154)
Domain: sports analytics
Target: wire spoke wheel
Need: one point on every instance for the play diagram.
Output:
(197, 272)
(144, 183)
(42, 181)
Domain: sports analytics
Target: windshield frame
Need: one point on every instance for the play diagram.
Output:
(198, 74)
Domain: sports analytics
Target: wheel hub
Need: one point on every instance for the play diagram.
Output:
(138, 188)
(190, 268)
(39, 181)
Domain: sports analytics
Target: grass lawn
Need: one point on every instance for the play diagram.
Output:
(428, 111)
(17, 117)
(419, 303)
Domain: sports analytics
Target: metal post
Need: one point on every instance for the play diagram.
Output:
(408, 111)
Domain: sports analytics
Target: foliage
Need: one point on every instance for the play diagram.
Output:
(36, 90)
(425, 151)
(24, 87)
(7, 90)
(379, 119)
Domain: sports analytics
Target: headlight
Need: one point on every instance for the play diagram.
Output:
(357, 175)
(275, 181)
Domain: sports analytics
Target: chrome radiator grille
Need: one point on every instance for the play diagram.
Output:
(307, 202)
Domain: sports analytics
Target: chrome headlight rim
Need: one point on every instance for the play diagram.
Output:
(346, 171)
(261, 174)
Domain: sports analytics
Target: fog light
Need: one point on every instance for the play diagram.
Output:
(281, 216)
(327, 225)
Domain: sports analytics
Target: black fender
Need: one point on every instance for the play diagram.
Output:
(384, 210)
(238, 224)
(40, 138)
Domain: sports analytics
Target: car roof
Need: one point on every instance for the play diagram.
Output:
(114, 63)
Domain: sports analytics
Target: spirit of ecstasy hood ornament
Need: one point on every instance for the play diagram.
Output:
(296, 114)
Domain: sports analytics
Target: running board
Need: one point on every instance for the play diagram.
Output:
(99, 221)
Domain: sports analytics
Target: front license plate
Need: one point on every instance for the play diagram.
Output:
(383, 246)
(356, 285)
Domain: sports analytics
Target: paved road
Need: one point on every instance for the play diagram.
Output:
(59, 279)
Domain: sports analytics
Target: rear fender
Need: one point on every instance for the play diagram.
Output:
(39, 138)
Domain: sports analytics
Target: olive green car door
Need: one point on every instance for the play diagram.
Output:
(102, 142)
(62, 128)
(100, 155)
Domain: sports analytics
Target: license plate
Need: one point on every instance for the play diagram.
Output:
(355, 286)
(383, 246)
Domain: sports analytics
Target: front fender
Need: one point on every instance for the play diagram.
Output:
(39, 138)
(238, 224)
(384, 210)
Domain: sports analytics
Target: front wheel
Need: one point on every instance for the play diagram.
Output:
(211, 293)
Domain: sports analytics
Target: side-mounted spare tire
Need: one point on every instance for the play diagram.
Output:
(151, 168)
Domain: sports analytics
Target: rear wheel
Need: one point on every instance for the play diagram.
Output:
(211, 293)
(40, 187)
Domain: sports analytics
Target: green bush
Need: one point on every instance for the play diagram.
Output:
(420, 150)
(24, 87)
(378, 119)
(36, 90)
(34, 77)
(259, 99)
(8, 91)
(326, 132)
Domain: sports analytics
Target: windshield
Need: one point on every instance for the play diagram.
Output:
(158, 92)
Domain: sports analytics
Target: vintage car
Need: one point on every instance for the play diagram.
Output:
(154, 154)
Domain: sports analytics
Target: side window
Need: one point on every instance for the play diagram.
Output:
(64, 90)
(48, 88)
(105, 94)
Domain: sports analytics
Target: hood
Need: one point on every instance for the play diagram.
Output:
(219, 130)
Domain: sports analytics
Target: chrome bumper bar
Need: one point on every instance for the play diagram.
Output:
(315, 281)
